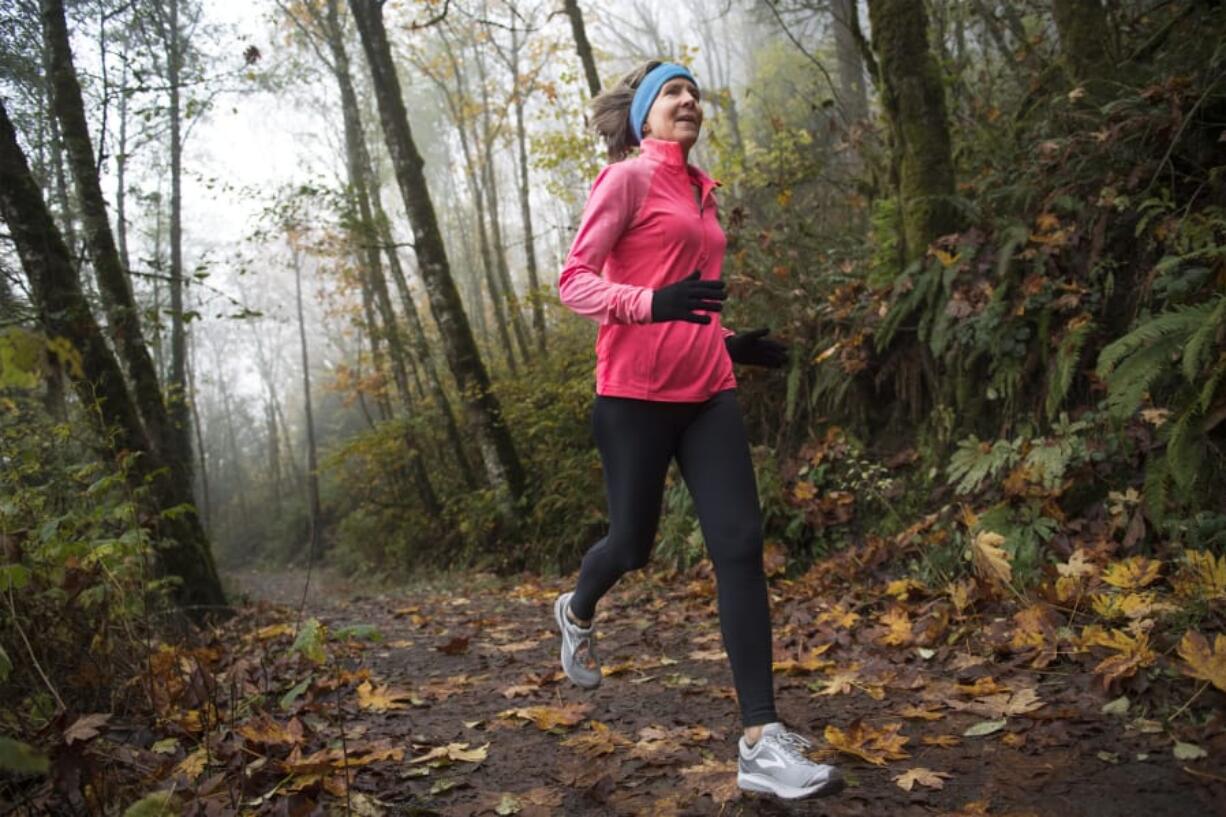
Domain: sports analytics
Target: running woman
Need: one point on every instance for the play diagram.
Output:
(646, 266)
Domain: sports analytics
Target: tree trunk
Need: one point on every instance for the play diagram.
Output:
(366, 236)
(456, 105)
(525, 204)
(484, 412)
(490, 182)
(571, 7)
(914, 99)
(421, 345)
(178, 438)
(206, 506)
(99, 381)
(852, 90)
(312, 469)
(122, 312)
(1083, 29)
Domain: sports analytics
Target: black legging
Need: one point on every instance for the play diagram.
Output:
(637, 440)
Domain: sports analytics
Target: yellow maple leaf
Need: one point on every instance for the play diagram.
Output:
(1202, 575)
(804, 491)
(913, 711)
(1132, 653)
(925, 777)
(873, 745)
(550, 717)
(960, 594)
(899, 624)
(811, 662)
(263, 729)
(598, 740)
(193, 765)
(1203, 663)
(839, 616)
(384, 698)
(1132, 573)
(842, 681)
(901, 588)
(989, 558)
(454, 751)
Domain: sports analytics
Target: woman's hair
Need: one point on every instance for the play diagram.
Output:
(611, 112)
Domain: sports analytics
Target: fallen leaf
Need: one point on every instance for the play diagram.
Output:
(940, 740)
(1188, 751)
(598, 740)
(549, 717)
(925, 777)
(990, 559)
(984, 728)
(914, 712)
(1203, 663)
(384, 698)
(454, 751)
(1132, 573)
(86, 727)
(873, 745)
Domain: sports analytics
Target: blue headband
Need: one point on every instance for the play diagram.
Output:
(649, 89)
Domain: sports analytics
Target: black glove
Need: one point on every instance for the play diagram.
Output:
(754, 349)
(678, 302)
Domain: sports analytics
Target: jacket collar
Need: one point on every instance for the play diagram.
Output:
(670, 154)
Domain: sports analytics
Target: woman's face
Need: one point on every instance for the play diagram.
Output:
(676, 115)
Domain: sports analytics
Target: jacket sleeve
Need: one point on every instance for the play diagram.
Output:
(610, 210)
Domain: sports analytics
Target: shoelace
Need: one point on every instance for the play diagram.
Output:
(585, 645)
(791, 744)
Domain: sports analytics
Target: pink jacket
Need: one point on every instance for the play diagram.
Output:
(641, 230)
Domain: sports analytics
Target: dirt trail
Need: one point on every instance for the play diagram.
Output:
(665, 743)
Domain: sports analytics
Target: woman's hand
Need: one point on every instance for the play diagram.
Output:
(683, 300)
(753, 349)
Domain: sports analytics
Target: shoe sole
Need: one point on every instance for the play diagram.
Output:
(758, 783)
(559, 611)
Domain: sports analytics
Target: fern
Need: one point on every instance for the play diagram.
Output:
(1201, 342)
(975, 461)
(1067, 358)
(1129, 383)
(1179, 322)
(1157, 480)
(1184, 454)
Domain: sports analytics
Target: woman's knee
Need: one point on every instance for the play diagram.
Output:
(631, 552)
(739, 550)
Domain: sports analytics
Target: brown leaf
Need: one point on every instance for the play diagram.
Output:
(915, 712)
(550, 717)
(86, 727)
(454, 751)
(384, 698)
(991, 561)
(874, 745)
(456, 646)
(940, 740)
(1204, 663)
(925, 777)
(263, 729)
(598, 740)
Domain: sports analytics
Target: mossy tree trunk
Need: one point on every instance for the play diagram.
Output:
(1084, 32)
(99, 380)
(914, 100)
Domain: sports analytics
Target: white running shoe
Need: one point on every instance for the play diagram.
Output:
(579, 659)
(777, 765)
